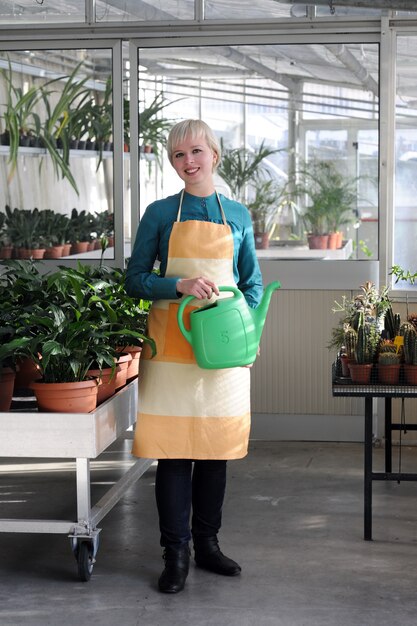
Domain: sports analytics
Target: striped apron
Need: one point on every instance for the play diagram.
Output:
(186, 412)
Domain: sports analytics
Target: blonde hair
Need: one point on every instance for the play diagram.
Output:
(193, 129)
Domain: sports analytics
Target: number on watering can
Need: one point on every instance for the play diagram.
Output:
(224, 336)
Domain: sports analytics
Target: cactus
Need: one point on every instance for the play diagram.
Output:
(367, 343)
(405, 326)
(392, 323)
(350, 339)
(410, 346)
(389, 358)
(412, 318)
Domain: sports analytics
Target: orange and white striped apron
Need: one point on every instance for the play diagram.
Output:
(186, 412)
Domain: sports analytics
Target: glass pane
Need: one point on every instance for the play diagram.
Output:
(31, 12)
(267, 9)
(56, 153)
(261, 100)
(405, 204)
(144, 11)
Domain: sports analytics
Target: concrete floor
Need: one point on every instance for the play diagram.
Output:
(293, 518)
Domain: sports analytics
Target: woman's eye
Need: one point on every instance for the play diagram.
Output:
(196, 150)
(178, 155)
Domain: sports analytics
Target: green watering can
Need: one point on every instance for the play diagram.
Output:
(226, 333)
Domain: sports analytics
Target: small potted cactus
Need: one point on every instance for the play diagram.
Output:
(389, 363)
(365, 351)
(347, 351)
(410, 356)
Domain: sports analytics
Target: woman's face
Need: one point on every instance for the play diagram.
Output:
(193, 160)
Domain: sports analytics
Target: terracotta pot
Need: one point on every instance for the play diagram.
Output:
(6, 252)
(133, 367)
(54, 252)
(90, 246)
(261, 241)
(35, 253)
(317, 242)
(123, 361)
(67, 249)
(332, 241)
(360, 372)
(107, 382)
(410, 374)
(79, 247)
(389, 374)
(79, 397)
(26, 373)
(7, 375)
(111, 241)
(339, 243)
(345, 360)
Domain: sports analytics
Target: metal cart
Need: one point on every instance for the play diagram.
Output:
(79, 436)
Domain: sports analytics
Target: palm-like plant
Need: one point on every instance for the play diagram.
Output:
(19, 116)
(330, 196)
(58, 118)
(241, 167)
(264, 206)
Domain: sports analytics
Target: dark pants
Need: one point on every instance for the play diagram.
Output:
(179, 487)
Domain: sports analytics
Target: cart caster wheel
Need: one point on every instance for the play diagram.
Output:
(85, 559)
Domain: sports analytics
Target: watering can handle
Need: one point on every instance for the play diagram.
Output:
(188, 299)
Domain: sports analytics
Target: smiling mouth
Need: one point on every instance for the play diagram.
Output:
(191, 171)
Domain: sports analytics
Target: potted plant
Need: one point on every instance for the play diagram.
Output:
(367, 309)
(365, 351)
(57, 118)
(153, 128)
(389, 362)
(329, 198)
(5, 243)
(263, 209)
(241, 168)
(13, 346)
(410, 354)
(23, 230)
(20, 117)
(79, 231)
(53, 228)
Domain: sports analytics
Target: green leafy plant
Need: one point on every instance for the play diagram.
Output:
(81, 225)
(241, 167)
(153, 127)
(69, 320)
(404, 275)
(58, 116)
(23, 227)
(264, 207)
(329, 196)
(19, 116)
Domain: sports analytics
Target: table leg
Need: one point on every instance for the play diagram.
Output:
(83, 492)
(368, 470)
(388, 435)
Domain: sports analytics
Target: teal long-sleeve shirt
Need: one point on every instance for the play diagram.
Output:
(152, 239)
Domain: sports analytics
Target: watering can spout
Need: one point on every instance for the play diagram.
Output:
(261, 310)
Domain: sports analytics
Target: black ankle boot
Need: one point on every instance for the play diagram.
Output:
(208, 556)
(177, 563)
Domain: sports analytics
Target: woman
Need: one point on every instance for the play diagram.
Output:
(192, 420)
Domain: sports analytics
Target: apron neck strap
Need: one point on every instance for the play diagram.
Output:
(218, 200)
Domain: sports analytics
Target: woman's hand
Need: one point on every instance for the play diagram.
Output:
(200, 287)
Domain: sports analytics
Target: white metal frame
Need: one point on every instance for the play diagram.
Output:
(83, 436)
